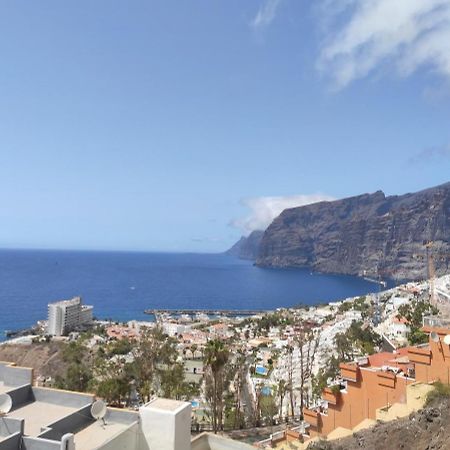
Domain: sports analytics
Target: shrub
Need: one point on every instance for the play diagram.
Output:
(335, 389)
(439, 391)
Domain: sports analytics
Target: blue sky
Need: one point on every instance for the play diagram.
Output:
(179, 126)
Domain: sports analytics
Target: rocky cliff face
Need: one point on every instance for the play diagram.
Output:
(363, 235)
(247, 247)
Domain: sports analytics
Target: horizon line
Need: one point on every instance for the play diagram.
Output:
(99, 250)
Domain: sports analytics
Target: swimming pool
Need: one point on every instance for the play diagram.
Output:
(261, 370)
(266, 390)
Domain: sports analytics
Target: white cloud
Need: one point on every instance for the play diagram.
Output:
(264, 209)
(364, 35)
(266, 14)
(431, 154)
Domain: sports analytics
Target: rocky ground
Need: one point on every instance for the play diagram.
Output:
(427, 429)
(45, 358)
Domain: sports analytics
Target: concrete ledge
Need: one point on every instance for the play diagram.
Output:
(13, 375)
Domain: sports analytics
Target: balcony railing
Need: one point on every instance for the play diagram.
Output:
(436, 322)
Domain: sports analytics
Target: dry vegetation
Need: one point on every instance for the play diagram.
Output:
(45, 358)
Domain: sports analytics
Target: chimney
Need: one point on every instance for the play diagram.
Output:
(166, 424)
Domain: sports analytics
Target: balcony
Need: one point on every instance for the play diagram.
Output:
(349, 372)
(386, 379)
(436, 322)
(311, 416)
(420, 355)
(332, 395)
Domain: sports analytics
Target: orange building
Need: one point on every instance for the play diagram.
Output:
(382, 380)
(432, 360)
(120, 332)
(373, 382)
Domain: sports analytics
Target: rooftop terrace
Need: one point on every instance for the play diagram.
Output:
(51, 419)
(38, 415)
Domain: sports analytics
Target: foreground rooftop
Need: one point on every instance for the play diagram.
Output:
(51, 419)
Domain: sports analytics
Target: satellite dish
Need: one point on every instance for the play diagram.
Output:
(5, 404)
(447, 339)
(434, 336)
(98, 409)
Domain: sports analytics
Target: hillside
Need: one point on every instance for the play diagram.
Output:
(363, 235)
(45, 358)
(428, 429)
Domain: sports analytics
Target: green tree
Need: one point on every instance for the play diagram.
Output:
(239, 368)
(120, 347)
(308, 343)
(281, 391)
(113, 390)
(77, 378)
(74, 352)
(172, 381)
(268, 408)
(329, 370)
(154, 354)
(78, 373)
(290, 373)
(216, 358)
(414, 313)
(358, 339)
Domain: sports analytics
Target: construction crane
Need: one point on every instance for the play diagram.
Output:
(431, 271)
(431, 256)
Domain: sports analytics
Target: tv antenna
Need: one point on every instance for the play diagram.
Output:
(5, 404)
(98, 410)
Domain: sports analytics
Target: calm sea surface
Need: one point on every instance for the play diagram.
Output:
(122, 285)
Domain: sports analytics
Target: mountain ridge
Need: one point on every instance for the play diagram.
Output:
(367, 235)
(247, 247)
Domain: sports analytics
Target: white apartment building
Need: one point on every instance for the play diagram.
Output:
(67, 315)
(174, 328)
(49, 419)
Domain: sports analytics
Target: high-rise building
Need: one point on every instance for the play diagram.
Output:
(67, 315)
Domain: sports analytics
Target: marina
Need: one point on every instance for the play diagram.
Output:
(157, 313)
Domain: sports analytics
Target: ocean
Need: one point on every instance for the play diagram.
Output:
(121, 285)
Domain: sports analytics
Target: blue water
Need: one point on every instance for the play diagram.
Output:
(121, 285)
(260, 370)
(266, 391)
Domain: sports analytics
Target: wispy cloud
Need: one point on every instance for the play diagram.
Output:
(364, 35)
(431, 154)
(266, 14)
(264, 209)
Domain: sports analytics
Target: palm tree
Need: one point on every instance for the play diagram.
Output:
(216, 357)
(281, 390)
(290, 384)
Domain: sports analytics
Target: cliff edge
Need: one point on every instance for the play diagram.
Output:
(369, 234)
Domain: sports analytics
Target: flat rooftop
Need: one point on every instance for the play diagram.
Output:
(70, 302)
(97, 434)
(166, 404)
(38, 415)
